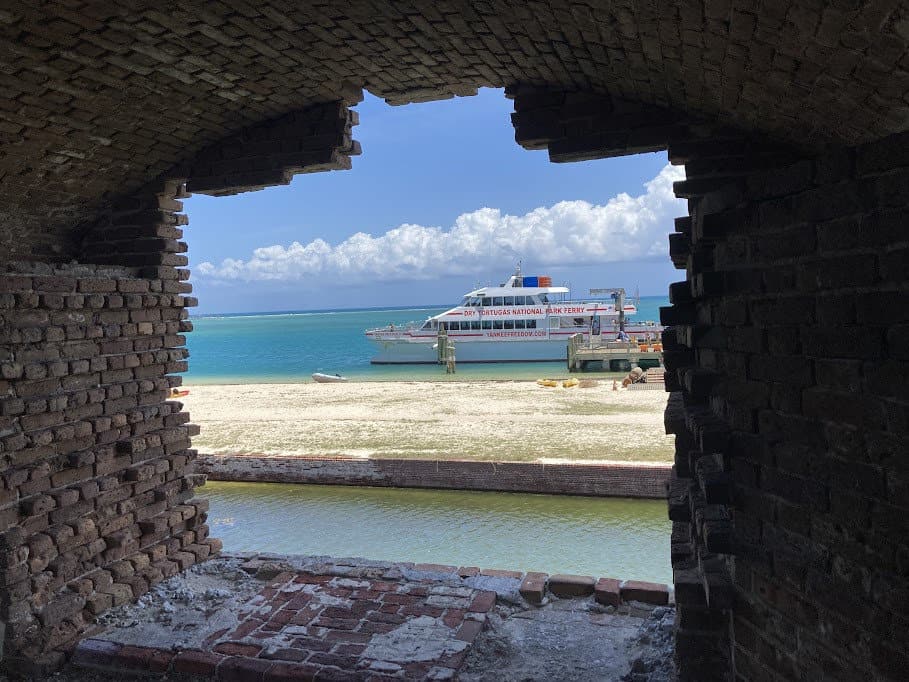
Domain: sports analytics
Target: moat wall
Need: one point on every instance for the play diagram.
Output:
(613, 479)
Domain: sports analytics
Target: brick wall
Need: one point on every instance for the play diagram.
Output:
(101, 97)
(318, 138)
(788, 372)
(600, 480)
(788, 361)
(97, 500)
(97, 497)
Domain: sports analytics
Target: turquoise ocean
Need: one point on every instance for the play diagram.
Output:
(287, 347)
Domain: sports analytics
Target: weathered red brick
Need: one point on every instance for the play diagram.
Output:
(145, 658)
(498, 573)
(483, 602)
(96, 653)
(194, 662)
(607, 591)
(292, 672)
(237, 649)
(242, 669)
(567, 586)
(435, 568)
(533, 587)
(650, 593)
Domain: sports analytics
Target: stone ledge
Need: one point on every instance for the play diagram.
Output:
(503, 582)
(607, 479)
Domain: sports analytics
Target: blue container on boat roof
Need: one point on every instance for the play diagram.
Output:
(531, 281)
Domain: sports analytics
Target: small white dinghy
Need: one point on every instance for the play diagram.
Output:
(321, 378)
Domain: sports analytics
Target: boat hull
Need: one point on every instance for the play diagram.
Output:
(320, 378)
(397, 352)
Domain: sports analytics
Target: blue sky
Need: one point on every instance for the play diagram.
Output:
(441, 199)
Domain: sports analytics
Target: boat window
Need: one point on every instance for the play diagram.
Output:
(442, 325)
(531, 324)
(497, 301)
(519, 300)
(475, 324)
(519, 324)
(466, 301)
(487, 324)
(509, 324)
(426, 325)
(544, 298)
(497, 324)
(465, 326)
(509, 300)
(553, 322)
(487, 301)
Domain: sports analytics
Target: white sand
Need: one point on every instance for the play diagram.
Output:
(513, 421)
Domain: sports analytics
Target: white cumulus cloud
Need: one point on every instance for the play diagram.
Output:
(569, 233)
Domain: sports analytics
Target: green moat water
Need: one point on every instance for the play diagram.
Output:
(614, 537)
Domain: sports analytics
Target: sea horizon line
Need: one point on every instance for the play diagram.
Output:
(426, 306)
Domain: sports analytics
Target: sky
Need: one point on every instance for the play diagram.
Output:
(441, 200)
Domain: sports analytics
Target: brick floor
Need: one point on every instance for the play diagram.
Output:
(320, 627)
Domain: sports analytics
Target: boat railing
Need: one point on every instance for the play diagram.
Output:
(395, 330)
(604, 301)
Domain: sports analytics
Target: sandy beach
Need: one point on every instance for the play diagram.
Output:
(488, 420)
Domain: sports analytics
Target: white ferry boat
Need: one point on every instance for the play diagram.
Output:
(526, 319)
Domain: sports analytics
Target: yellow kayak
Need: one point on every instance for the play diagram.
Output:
(570, 383)
(548, 383)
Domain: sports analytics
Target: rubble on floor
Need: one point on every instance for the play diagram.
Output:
(574, 639)
(269, 618)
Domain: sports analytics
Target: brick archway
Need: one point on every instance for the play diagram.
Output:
(787, 348)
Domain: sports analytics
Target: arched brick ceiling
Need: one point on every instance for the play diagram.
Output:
(100, 97)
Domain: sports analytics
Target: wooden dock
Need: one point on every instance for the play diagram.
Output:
(615, 356)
